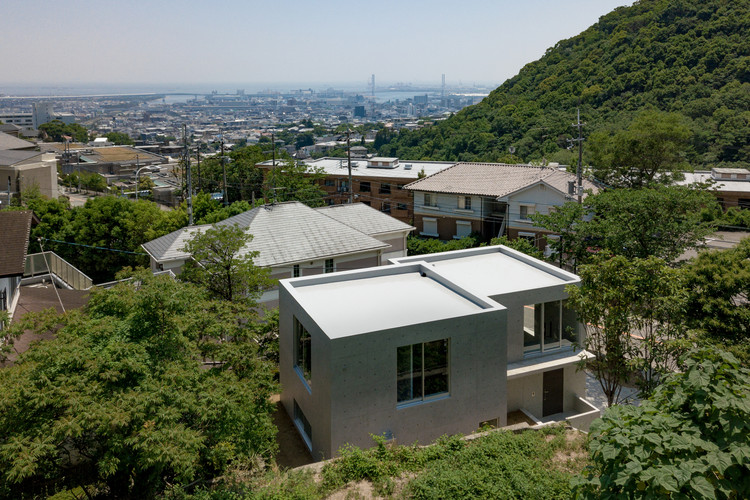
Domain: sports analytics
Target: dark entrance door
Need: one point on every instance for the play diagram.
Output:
(552, 401)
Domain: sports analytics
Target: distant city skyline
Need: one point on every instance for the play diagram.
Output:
(207, 44)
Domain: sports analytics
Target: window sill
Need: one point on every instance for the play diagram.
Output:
(410, 404)
(430, 207)
(303, 379)
(434, 235)
(464, 211)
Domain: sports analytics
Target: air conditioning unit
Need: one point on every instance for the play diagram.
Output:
(407, 166)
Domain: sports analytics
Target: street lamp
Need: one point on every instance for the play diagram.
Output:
(150, 168)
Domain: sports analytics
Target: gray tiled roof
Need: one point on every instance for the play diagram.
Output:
(365, 219)
(11, 157)
(493, 179)
(7, 141)
(284, 233)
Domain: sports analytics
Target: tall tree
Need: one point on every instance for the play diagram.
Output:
(632, 311)
(292, 181)
(222, 264)
(650, 151)
(121, 405)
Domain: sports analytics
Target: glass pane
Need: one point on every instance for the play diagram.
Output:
(404, 379)
(569, 325)
(551, 324)
(531, 337)
(435, 367)
(303, 358)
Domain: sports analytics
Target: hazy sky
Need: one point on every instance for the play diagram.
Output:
(235, 41)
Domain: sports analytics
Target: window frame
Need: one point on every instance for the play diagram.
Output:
(296, 271)
(464, 203)
(302, 353)
(431, 220)
(385, 188)
(364, 187)
(462, 223)
(424, 398)
(329, 266)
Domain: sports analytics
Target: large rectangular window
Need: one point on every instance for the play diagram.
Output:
(303, 352)
(548, 326)
(422, 371)
(300, 420)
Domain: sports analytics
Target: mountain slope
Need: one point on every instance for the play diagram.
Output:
(687, 57)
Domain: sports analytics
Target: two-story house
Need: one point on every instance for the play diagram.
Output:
(377, 182)
(431, 345)
(490, 199)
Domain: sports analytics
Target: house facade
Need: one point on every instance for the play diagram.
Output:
(15, 227)
(21, 170)
(377, 182)
(431, 345)
(489, 199)
(731, 186)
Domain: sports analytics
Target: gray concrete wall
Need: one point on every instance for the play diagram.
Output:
(364, 382)
(526, 392)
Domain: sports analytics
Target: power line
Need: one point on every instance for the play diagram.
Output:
(94, 247)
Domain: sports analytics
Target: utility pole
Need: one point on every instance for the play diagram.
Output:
(189, 177)
(579, 169)
(224, 168)
(273, 147)
(198, 155)
(349, 160)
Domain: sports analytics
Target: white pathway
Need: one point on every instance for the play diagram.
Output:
(595, 395)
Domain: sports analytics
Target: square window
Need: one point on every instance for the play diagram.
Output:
(364, 187)
(330, 182)
(526, 211)
(422, 371)
(429, 226)
(386, 208)
(464, 202)
(401, 206)
(303, 352)
(463, 228)
(385, 188)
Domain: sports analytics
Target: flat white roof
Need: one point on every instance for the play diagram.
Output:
(339, 166)
(373, 303)
(491, 271)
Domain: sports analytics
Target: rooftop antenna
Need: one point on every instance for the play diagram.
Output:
(579, 140)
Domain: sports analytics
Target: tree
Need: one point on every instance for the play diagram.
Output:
(521, 244)
(56, 130)
(119, 138)
(719, 288)
(221, 264)
(292, 181)
(121, 404)
(650, 151)
(661, 221)
(244, 179)
(632, 311)
(689, 440)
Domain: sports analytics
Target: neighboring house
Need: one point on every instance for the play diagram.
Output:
(431, 345)
(8, 141)
(377, 182)
(15, 227)
(731, 185)
(295, 240)
(491, 199)
(20, 170)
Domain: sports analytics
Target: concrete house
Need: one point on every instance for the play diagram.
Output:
(296, 240)
(21, 170)
(491, 199)
(431, 345)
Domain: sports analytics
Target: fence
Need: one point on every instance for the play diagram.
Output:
(36, 265)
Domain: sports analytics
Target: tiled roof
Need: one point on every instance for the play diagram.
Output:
(7, 141)
(11, 157)
(493, 179)
(365, 219)
(284, 233)
(14, 228)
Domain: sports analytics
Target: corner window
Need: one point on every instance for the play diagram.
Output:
(329, 266)
(464, 202)
(303, 352)
(548, 325)
(295, 271)
(422, 371)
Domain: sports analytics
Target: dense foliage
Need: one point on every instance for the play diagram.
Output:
(121, 403)
(685, 57)
(420, 246)
(57, 130)
(689, 440)
(119, 138)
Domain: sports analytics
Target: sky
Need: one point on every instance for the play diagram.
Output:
(239, 42)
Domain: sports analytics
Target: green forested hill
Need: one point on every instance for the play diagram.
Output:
(690, 57)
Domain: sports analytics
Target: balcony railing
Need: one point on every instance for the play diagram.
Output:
(37, 265)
